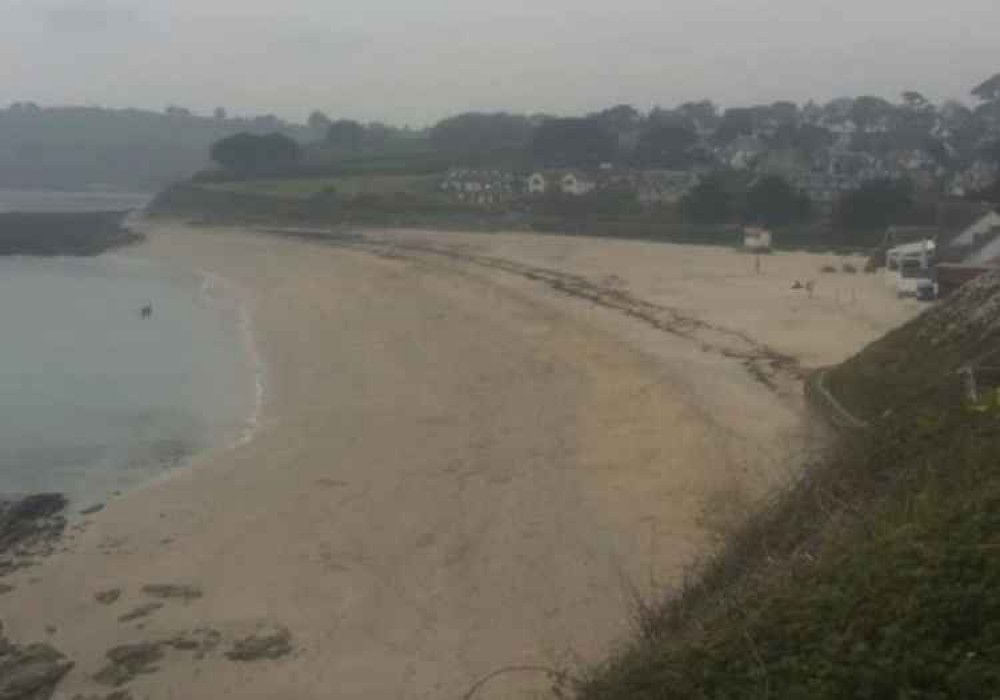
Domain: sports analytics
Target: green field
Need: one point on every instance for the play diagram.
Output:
(346, 186)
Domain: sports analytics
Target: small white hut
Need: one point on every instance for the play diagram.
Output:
(756, 240)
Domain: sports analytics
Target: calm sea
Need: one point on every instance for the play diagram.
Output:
(96, 399)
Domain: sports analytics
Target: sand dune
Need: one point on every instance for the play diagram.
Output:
(459, 466)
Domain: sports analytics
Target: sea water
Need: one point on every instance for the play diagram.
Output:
(94, 398)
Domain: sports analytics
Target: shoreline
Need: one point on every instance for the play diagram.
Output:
(460, 467)
(124, 459)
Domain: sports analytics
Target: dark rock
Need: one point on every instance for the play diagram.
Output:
(28, 527)
(270, 645)
(96, 508)
(109, 596)
(201, 641)
(127, 661)
(141, 611)
(172, 590)
(30, 672)
(5, 588)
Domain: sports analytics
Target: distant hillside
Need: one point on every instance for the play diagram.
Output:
(877, 575)
(83, 147)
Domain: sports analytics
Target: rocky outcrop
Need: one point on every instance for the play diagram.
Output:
(29, 528)
(63, 233)
(266, 644)
(30, 672)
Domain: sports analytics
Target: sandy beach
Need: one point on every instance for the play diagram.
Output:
(474, 452)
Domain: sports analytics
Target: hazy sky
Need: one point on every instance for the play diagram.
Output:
(413, 61)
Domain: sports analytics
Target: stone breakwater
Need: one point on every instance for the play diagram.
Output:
(64, 233)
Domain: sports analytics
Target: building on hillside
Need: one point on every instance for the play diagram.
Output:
(537, 183)
(571, 182)
(479, 187)
(743, 152)
(577, 183)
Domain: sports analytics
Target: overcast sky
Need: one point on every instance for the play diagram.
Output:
(413, 61)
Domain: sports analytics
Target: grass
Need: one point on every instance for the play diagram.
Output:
(346, 186)
(878, 574)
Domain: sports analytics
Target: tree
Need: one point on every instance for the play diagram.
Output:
(772, 201)
(785, 112)
(623, 123)
(710, 202)
(875, 205)
(913, 100)
(318, 122)
(736, 122)
(868, 112)
(703, 114)
(345, 135)
(666, 146)
(808, 139)
(252, 154)
(620, 119)
(573, 142)
(475, 132)
(988, 90)
(220, 114)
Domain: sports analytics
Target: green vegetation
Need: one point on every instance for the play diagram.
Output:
(344, 186)
(253, 154)
(877, 575)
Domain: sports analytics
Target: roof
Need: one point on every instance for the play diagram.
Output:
(917, 248)
(982, 226)
(989, 254)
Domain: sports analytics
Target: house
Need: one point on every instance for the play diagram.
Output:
(479, 187)
(571, 182)
(756, 240)
(743, 152)
(537, 184)
(577, 183)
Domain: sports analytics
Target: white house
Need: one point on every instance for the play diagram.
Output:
(576, 184)
(571, 182)
(537, 184)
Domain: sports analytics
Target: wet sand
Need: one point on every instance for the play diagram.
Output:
(460, 466)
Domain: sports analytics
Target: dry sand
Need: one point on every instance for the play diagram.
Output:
(460, 465)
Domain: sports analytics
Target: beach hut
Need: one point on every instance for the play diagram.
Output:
(756, 240)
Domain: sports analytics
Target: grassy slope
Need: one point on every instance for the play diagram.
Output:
(346, 185)
(877, 576)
